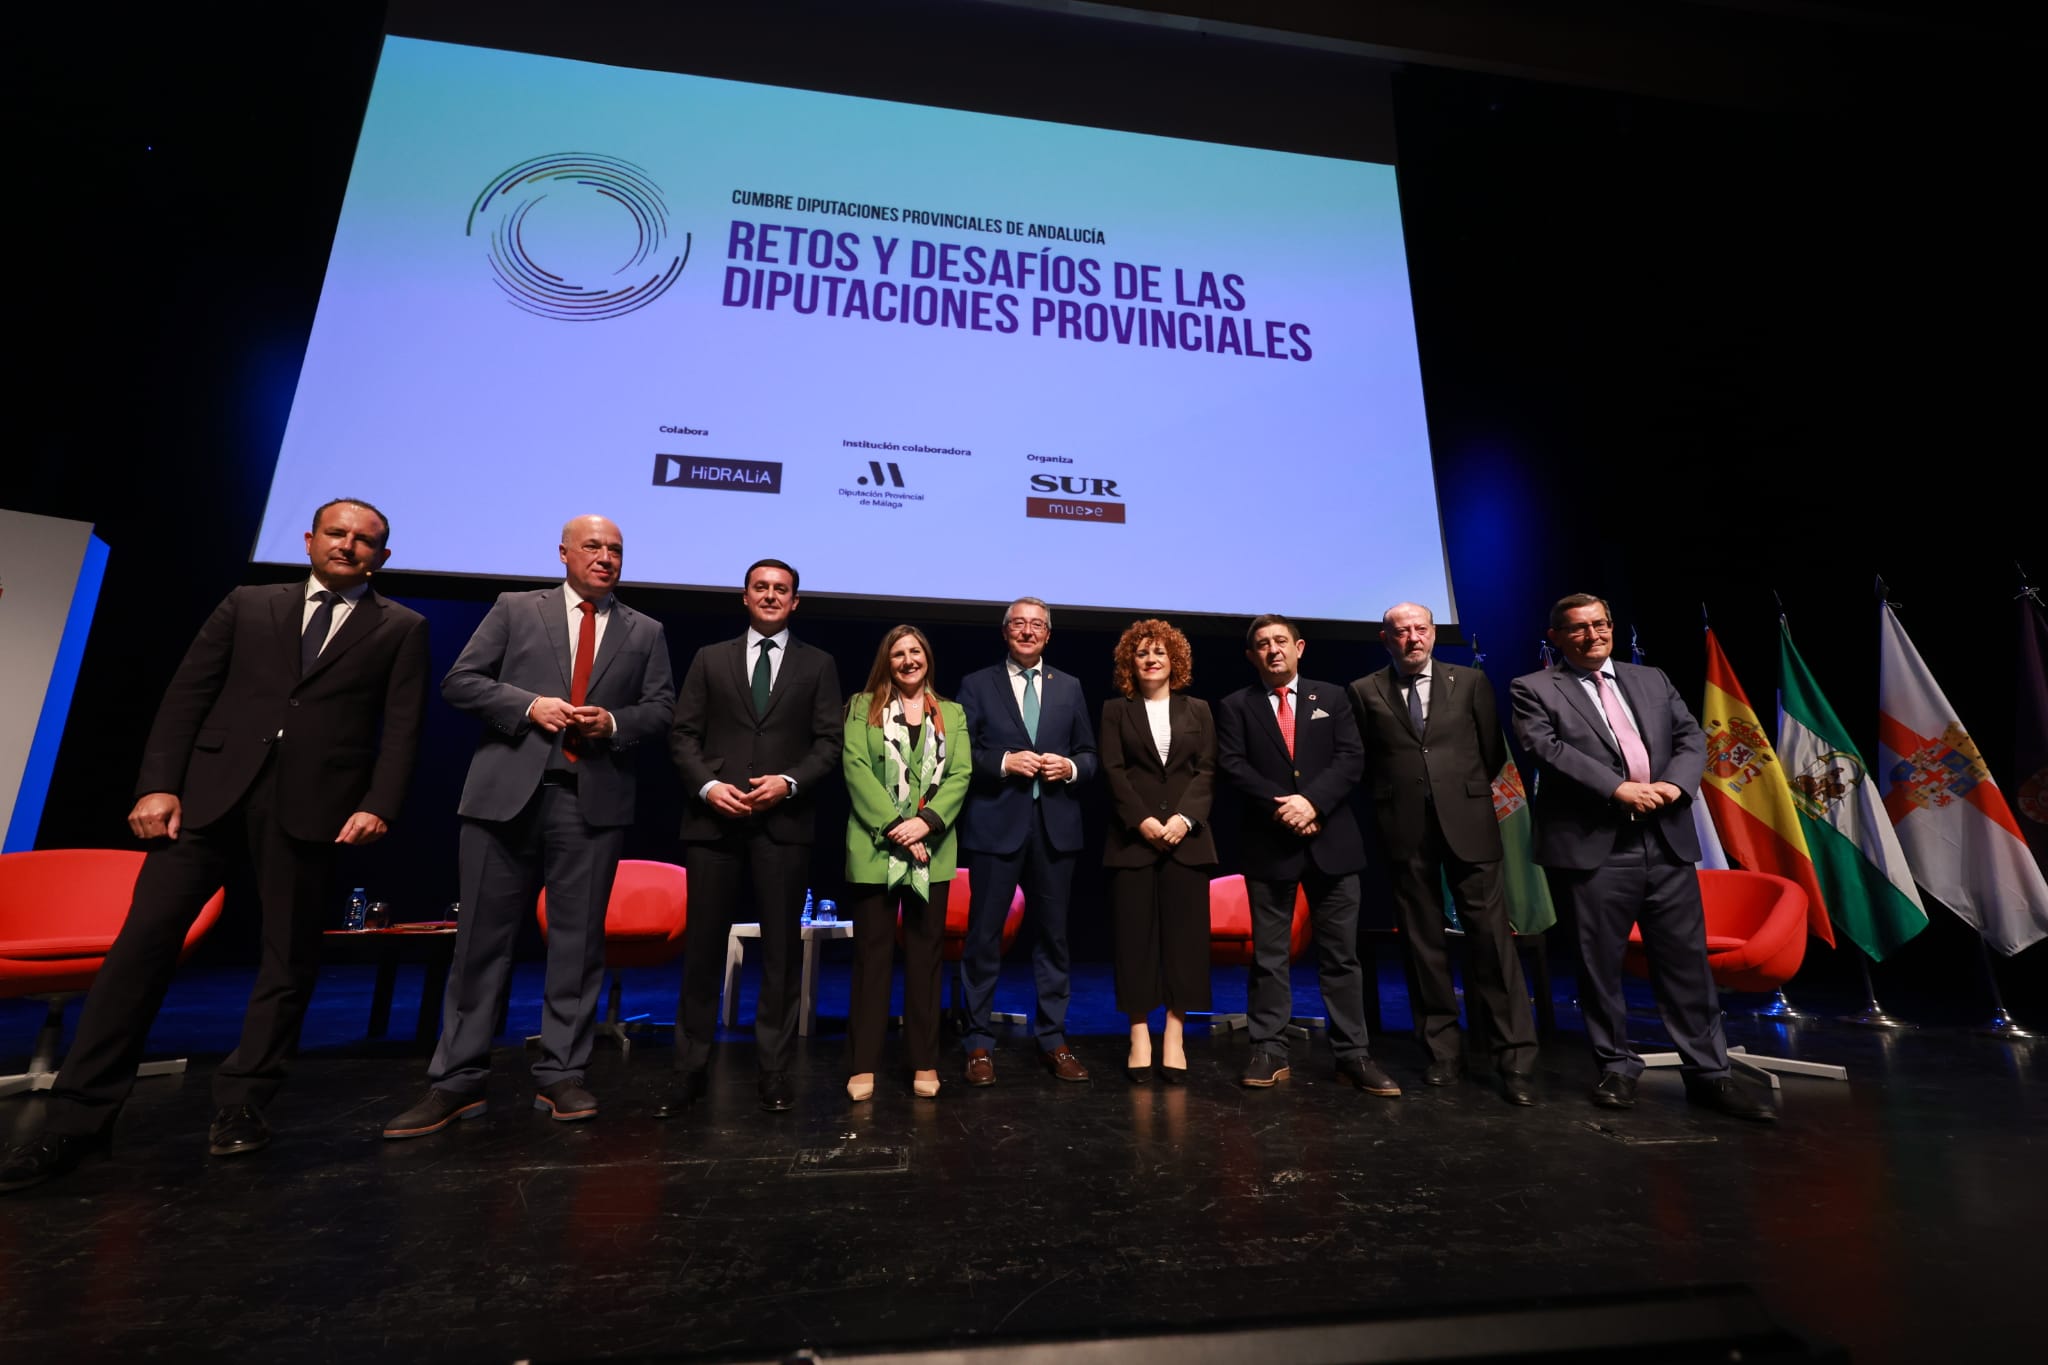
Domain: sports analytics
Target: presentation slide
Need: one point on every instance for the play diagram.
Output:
(921, 354)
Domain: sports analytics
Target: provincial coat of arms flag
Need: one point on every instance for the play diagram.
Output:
(1960, 837)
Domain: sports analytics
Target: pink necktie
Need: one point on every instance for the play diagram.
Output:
(1632, 751)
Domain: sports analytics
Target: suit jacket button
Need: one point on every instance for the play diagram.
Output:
(294, 701)
(1425, 751)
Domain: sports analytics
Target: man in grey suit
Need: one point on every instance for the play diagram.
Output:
(1617, 758)
(567, 680)
(1432, 746)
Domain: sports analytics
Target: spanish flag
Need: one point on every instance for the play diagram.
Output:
(1748, 793)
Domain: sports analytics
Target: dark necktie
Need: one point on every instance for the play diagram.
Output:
(579, 673)
(1285, 715)
(314, 638)
(1415, 720)
(762, 677)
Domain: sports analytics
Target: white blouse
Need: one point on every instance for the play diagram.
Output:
(1162, 727)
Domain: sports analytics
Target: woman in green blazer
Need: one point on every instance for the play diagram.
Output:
(907, 767)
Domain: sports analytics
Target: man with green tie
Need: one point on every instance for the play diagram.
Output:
(1032, 745)
(757, 730)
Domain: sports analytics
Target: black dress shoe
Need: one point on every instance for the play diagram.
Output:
(694, 1086)
(567, 1101)
(1266, 1069)
(777, 1094)
(1615, 1091)
(1172, 1075)
(1366, 1074)
(237, 1130)
(439, 1109)
(49, 1156)
(1138, 1075)
(1444, 1073)
(1726, 1095)
(1518, 1087)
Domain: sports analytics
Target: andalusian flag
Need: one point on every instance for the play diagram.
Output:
(1855, 850)
(1530, 910)
(1957, 831)
(1746, 789)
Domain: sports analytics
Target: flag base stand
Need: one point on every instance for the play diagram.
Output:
(1781, 1008)
(2003, 1025)
(1873, 1016)
(1759, 1069)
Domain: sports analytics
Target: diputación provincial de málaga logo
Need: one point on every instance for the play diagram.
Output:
(514, 206)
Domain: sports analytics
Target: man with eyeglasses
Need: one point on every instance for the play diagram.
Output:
(1032, 745)
(1618, 758)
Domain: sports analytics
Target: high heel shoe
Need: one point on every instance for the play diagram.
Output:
(1173, 1075)
(924, 1088)
(859, 1090)
(1138, 1075)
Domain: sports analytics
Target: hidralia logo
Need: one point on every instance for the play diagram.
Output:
(564, 210)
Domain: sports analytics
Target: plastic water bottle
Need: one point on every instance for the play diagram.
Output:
(807, 906)
(358, 909)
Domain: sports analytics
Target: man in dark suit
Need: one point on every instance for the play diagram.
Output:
(567, 681)
(1432, 745)
(1290, 747)
(758, 726)
(1032, 745)
(1618, 757)
(288, 730)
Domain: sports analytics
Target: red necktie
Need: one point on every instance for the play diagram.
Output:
(579, 676)
(1285, 715)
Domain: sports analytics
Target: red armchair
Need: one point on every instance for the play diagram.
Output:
(60, 910)
(643, 927)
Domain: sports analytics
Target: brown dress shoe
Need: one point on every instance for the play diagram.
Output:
(981, 1069)
(1063, 1064)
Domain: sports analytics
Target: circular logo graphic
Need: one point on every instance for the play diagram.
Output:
(578, 236)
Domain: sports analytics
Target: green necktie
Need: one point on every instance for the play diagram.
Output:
(1031, 715)
(761, 679)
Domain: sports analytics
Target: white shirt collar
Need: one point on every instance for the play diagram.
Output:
(755, 637)
(348, 595)
(572, 597)
(1016, 669)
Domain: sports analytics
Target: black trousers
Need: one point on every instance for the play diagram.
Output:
(504, 864)
(874, 942)
(178, 877)
(1493, 970)
(720, 871)
(1161, 914)
(1333, 913)
(1641, 883)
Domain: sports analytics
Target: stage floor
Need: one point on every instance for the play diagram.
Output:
(1892, 1215)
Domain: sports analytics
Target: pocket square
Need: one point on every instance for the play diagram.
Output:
(1319, 714)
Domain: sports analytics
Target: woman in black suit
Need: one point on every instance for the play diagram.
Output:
(1159, 753)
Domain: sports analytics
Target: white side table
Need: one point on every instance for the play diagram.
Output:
(807, 989)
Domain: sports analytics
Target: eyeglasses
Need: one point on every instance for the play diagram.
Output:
(1590, 628)
(1025, 625)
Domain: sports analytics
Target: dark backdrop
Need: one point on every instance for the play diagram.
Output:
(1727, 350)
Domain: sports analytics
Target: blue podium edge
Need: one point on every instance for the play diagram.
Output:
(42, 754)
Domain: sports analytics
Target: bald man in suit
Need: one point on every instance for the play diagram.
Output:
(1432, 745)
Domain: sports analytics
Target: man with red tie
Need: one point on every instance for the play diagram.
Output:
(567, 681)
(1290, 746)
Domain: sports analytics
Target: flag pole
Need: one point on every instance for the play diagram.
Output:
(1872, 1014)
(1780, 1009)
(2002, 1024)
